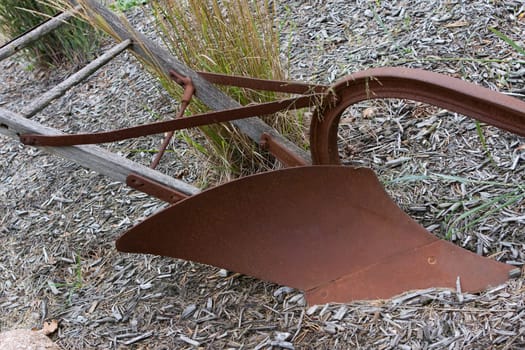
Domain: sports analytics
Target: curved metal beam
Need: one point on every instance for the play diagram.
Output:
(472, 100)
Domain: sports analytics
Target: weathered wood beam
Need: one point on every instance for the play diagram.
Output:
(214, 98)
(59, 90)
(36, 33)
(93, 157)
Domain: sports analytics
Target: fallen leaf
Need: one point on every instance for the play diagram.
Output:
(49, 327)
(457, 24)
(369, 112)
(347, 120)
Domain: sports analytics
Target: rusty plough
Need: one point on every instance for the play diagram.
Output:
(327, 229)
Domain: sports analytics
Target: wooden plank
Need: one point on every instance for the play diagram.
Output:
(59, 90)
(93, 157)
(214, 98)
(36, 33)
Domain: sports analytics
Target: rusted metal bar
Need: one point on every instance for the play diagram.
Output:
(154, 188)
(162, 149)
(472, 100)
(92, 157)
(170, 125)
(189, 90)
(280, 152)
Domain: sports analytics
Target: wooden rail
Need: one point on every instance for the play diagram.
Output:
(93, 157)
(36, 33)
(212, 97)
(41, 102)
(96, 158)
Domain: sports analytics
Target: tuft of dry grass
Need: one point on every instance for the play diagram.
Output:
(232, 37)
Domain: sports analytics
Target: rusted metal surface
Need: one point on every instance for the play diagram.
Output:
(437, 264)
(189, 90)
(280, 151)
(329, 230)
(170, 125)
(436, 89)
(154, 188)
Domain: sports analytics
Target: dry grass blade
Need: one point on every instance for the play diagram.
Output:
(232, 37)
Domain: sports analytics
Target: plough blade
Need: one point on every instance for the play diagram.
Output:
(331, 231)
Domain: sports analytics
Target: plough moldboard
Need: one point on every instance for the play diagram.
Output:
(327, 229)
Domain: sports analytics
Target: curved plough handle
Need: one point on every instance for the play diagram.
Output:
(456, 95)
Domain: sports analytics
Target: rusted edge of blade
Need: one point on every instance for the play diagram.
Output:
(440, 264)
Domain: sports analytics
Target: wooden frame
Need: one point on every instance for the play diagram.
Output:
(102, 161)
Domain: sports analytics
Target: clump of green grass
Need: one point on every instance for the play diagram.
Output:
(520, 50)
(73, 286)
(235, 37)
(465, 213)
(74, 42)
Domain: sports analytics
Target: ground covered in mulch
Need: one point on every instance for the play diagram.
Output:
(58, 221)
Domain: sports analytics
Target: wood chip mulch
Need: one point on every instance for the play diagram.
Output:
(58, 221)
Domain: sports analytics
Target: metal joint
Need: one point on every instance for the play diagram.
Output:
(154, 189)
